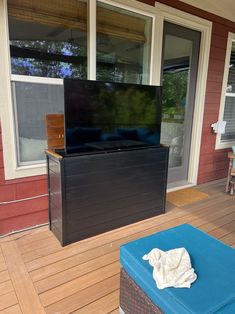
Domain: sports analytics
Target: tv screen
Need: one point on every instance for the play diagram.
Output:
(105, 116)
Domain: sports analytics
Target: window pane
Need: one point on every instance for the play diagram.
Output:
(32, 102)
(229, 116)
(231, 75)
(175, 104)
(123, 45)
(48, 38)
(229, 107)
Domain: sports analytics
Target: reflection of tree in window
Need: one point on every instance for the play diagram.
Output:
(174, 92)
(48, 59)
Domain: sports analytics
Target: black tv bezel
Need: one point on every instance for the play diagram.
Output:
(158, 118)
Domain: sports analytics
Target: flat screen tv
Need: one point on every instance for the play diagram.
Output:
(104, 116)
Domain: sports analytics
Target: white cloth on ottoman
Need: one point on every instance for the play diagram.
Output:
(171, 268)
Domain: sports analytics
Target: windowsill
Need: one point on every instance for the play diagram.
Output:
(26, 171)
(224, 145)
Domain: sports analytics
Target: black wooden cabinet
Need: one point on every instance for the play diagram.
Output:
(91, 194)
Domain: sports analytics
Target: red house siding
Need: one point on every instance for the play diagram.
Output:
(213, 163)
(24, 213)
(212, 166)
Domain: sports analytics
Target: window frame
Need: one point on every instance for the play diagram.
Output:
(33, 80)
(204, 26)
(224, 93)
(9, 130)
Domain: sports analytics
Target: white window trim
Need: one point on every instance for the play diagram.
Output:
(205, 27)
(91, 40)
(36, 79)
(9, 136)
(231, 39)
(6, 109)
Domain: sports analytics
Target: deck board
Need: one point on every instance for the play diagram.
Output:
(4, 276)
(6, 287)
(108, 303)
(79, 284)
(23, 286)
(85, 296)
(75, 272)
(15, 309)
(83, 277)
(7, 300)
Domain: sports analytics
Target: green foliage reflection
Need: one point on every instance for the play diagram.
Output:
(126, 108)
(174, 92)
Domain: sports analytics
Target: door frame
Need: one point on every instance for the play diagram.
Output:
(184, 19)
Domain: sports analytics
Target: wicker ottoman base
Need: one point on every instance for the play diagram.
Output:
(133, 300)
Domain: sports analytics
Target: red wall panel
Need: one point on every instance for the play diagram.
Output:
(26, 207)
(1, 160)
(23, 221)
(25, 213)
(215, 76)
(214, 86)
(7, 193)
(216, 163)
(30, 189)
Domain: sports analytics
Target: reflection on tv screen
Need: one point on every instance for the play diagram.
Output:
(103, 116)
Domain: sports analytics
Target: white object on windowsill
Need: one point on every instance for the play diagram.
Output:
(171, 268)
(219, 127)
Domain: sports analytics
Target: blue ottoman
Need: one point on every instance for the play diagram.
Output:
(213, 261)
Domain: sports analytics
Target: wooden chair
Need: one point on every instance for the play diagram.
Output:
(230, 185)
(55, 131)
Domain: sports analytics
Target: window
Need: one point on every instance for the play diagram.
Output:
(228, 100)
(32, 101)
(48, 40)
(123, 45)
(229, 108)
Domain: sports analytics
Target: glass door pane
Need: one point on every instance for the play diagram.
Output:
(180, 61)
(123, 45)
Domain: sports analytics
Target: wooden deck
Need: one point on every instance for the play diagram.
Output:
(38, 276)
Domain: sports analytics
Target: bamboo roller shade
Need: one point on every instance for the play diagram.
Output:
(73, 14)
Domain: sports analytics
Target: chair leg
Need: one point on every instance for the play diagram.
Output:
(228, 184)
(229, 177)
(232, 189)
(232, 185)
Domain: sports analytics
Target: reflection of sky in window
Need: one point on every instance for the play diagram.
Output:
(23, 63)
(31, 67)
(65, 48)
(66, 71)
(66, 52)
